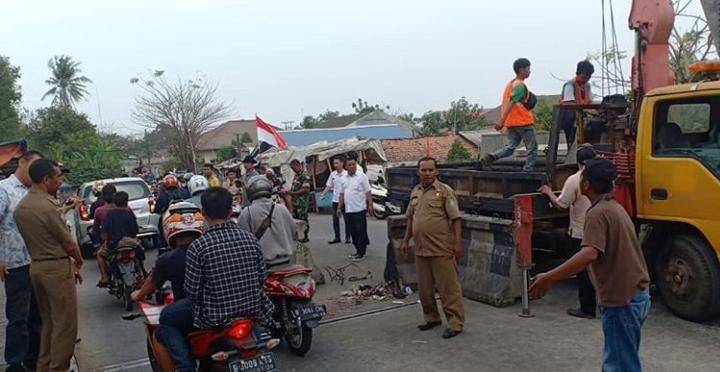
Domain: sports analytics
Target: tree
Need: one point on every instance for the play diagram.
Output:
(463, 115)
(10, 96)
(432, 122)
(543, 113)
(186, 108)
(67, 85)
(246, 138)
(458, 152)
(308, 122)
(61, 125)
(327, 115)
(225, 153)
(363, 107)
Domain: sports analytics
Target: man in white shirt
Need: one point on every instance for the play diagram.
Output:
(356, 202)
(334, 184)
(571, 197)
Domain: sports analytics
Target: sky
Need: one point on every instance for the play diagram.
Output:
(284, 59)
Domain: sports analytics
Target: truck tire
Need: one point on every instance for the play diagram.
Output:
(688, 277)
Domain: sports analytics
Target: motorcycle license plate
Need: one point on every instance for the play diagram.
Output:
(261, 363)
(309, 312)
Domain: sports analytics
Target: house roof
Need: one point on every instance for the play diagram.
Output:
(358, 120)
(304, 137)
(225, 133)
(475, 136)
(338, 122)
(399, 150)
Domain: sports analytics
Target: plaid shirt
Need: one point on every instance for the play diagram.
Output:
(225, 277)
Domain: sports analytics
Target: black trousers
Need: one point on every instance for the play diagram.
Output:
(358, 231)
(22, 337)
(336, 224)
(586, 291)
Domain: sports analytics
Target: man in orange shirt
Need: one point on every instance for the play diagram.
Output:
(518, 119)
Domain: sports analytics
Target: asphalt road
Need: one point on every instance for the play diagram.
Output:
(495, 339)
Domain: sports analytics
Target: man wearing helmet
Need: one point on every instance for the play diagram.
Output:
(168, 193)
(183, 224)
(196, 186)
(270, 222)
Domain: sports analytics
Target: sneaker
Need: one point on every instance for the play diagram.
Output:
(354, 255)
(348, 241)
(486, 162)
(580, 314)
(334, 241)
(358, 258)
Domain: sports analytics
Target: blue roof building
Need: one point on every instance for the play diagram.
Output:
(304, 137)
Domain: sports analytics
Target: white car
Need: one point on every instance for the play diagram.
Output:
(138, 200)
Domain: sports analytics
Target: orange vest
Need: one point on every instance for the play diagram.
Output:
(518, 116)
(581, 94)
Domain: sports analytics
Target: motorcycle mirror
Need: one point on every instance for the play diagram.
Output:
(131, 316)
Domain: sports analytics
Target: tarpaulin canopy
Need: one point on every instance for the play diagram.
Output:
(8, 152)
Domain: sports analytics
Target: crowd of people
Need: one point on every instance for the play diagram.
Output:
(216, 266)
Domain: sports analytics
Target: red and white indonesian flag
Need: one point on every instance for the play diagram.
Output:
(267, 134)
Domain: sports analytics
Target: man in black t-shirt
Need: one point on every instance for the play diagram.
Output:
(120, 222)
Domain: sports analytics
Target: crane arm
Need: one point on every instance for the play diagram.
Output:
(653, 22)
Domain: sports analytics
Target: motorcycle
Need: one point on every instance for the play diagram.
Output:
(126, 274)
(238, 347)
(291, 289)
(382, 206)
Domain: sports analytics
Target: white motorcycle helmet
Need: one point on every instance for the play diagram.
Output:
(182, 218)
(197, 184)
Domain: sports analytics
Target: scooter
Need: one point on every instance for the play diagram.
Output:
(291, 289)
(238, 347)
(382, 207)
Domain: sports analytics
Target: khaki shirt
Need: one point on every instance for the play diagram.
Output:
(41, 226)
(433, 210)
(230, 186)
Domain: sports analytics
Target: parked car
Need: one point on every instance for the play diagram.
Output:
(139, 201)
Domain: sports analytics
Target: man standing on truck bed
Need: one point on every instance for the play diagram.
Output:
(571, 197)
(575, 91)
(516, 116)
(435, 226)
(611, 249)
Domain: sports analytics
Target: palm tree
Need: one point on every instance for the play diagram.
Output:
(68, 86)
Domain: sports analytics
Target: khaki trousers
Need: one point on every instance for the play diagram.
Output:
(440, 273)
(54, 285)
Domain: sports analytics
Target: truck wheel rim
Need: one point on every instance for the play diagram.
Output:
(679, 276)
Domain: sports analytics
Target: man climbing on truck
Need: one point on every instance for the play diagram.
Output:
(516, 116)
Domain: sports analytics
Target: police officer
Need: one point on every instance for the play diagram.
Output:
(55, 267)
(435, 226)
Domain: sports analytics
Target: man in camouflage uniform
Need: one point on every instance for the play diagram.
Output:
(300, 193)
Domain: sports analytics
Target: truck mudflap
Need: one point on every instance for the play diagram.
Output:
(496, 251)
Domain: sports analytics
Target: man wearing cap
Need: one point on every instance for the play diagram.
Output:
(611, 250)
(300, 193)
(22, 333)
(572, 198)
(56, 263)
(250, 172)
(213, 180)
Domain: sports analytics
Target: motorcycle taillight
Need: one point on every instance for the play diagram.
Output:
(240, 329)
(84, 212)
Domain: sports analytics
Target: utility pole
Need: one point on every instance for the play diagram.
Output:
(288, 123)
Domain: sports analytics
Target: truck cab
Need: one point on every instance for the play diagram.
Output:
(677, 194)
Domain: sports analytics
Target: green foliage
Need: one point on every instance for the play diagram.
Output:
(458, 152)
(543, 113)
(327, 115)
(225, 153)
(308, 122)
(10, 126)
(67, 85)
(246, 138)
(464, 116)
(68, 136)
(432, 122)
(363, 107)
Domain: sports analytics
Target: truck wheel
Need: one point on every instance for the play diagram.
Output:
(688, 278)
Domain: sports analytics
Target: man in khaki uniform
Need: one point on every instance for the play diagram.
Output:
(55, 266)
(435, 226)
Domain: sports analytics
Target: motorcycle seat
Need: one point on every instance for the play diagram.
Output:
(287, 270)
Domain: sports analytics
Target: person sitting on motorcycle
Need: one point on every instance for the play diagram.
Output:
(277, 239)
(224, 281)
(168, 193)
(197, 185)
(119, 223)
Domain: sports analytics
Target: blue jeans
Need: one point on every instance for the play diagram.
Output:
(22, 335)
(621, 326)
(336, 223)
(176, 321)
(567, 123)
(515, 135)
